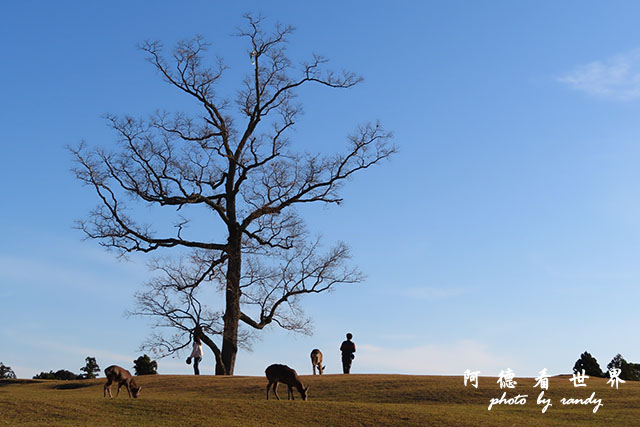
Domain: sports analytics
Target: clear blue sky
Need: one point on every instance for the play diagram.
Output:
(505, 234)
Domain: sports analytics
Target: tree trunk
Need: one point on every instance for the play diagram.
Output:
(232, 310)
(216, 352)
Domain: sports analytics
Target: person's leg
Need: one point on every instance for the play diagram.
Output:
(196, 362)
(346, 365)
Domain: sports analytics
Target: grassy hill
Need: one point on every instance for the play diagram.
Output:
(334, 400)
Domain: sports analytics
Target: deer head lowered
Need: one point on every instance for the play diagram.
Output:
(316, 361)
(116, 374)
(283, 374)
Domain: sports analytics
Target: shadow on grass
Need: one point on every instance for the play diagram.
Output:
(71, 386)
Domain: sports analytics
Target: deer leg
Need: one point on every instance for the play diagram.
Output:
(314, 369)
(107, 386)
(268, 387)
(118, 393)
(128, 389)
(275, 390)
(290, 393)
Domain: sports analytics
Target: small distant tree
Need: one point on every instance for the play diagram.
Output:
(589, 364)
(6, 372)
(143, 365)
(628, 371)
(91, 369)
(61, 374)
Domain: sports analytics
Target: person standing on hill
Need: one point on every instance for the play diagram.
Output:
(347, 348)
(196, 354)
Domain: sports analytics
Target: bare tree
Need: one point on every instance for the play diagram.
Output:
(238, 164)
(172, 300)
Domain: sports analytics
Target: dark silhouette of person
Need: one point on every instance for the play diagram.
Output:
(347, 348)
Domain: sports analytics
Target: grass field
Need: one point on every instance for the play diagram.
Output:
(336, 400)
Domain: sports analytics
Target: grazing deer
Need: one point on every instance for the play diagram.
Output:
(284, 374)
(316, 361)
(123, 378)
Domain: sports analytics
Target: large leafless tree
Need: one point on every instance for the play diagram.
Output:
(235, 160)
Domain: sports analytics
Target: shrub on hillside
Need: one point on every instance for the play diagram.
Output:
(6, 371)
(589, 364)
(143, 365)
(628, 371)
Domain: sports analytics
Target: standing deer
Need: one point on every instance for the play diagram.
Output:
(316, 361)
(123, 378)
(284, 374)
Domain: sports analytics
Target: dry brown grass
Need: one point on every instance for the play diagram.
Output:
(353, 400)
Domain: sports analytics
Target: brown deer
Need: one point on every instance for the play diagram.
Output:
(316, 361)
(116, 374)
(285, 375)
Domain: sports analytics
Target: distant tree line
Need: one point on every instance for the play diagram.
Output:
(143, 365)
(90, 369)
(588, 363)
(61, 374)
